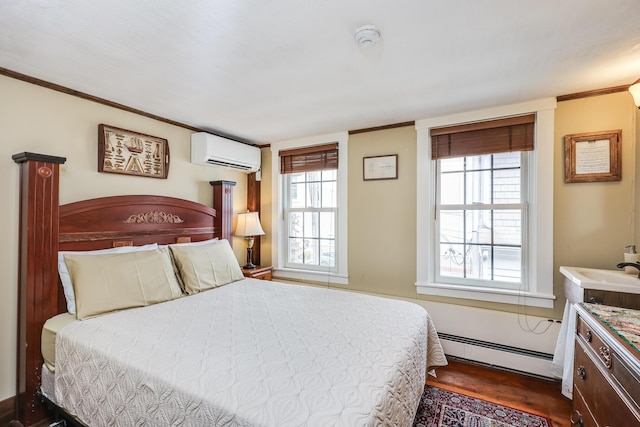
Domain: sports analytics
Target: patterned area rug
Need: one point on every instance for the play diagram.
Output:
(443, 408)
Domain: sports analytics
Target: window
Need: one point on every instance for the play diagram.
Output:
(310, 217)
(479, 220)
(485, 205)
(309, 209)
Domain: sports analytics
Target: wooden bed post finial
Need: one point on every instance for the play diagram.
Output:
(37, 273)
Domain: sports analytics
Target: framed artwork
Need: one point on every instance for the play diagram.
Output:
(380, 167)
(132, 153)
(593, 156)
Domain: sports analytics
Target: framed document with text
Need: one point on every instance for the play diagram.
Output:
(380, 167)
(593, 157)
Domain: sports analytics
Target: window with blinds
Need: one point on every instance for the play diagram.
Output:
(481, 201)
(310, 206)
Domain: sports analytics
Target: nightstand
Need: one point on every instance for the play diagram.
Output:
(259, 272)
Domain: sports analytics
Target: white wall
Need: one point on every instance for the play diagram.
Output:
(44, 121)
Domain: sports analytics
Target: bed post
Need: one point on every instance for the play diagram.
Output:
(253, 205)
(223, 204)
(37, 274)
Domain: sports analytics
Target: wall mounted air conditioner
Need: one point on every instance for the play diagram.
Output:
(207, 149)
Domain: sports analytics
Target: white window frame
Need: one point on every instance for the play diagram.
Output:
(539, 250)
(338, 275)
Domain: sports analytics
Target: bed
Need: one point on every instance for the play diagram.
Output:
(244, 352)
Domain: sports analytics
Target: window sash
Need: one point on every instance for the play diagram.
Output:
(462, 207)
(479, 282)
(288, 210)
(318, 237)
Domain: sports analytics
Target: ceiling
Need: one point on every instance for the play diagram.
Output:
(264, 71)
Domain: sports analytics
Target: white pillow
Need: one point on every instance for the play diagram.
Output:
(65, 277)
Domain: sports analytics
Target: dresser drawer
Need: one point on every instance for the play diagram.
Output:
(628, 380)
(580, 415)
(603, 399)
(592, 340)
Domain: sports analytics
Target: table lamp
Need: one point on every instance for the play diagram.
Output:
(248, 227)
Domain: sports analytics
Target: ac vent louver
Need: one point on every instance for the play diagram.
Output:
(228, 165)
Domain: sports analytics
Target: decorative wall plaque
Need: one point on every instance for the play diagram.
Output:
(132, 153)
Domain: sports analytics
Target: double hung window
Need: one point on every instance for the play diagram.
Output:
(310, 223)
(485, 205)
(482, 202)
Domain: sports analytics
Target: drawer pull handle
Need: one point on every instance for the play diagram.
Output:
(582, 372)
(577, 421)
(589, 336)
(605, 352)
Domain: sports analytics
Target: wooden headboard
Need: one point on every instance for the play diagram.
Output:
(46, 227)
(132, 221)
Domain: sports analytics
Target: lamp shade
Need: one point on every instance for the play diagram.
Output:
(249, 225)
(635, 92)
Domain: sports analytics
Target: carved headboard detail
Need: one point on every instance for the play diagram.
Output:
(154, 217)
(97, 223)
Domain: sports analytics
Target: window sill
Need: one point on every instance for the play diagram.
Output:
(310, 276)
(491, 295)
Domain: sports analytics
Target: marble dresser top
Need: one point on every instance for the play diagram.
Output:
(624, 322)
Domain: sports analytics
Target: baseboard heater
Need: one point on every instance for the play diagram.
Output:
(494, 346)
(531, 362)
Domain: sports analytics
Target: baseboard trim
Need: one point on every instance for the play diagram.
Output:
(8, 414)
(502, 368)
(7, 408)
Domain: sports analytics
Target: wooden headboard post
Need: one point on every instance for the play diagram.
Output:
(223, 201)
(253, 205)
(37, 269)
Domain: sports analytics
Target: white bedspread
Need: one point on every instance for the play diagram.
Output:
(251, 353)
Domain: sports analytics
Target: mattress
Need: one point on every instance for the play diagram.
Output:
(49, 332)
(251, 353)
(47, 383)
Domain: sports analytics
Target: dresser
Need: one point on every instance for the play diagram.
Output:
(606, 378)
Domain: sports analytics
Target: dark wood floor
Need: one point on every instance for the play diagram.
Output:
(535, 395)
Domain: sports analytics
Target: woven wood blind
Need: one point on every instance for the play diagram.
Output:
(308, 159)
(488, 137)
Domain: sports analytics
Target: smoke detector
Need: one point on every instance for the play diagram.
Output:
(367, 35)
